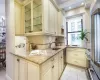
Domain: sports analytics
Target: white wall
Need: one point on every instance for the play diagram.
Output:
(10, 39)
(86, 17)
(2, 7)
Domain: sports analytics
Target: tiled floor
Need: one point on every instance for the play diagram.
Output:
(2, 74)
(74, 73)
(70, 73)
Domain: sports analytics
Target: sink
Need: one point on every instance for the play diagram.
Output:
(55, 48)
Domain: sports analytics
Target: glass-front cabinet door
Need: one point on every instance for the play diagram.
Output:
(33, 16)
(28, 18)
(37, 15)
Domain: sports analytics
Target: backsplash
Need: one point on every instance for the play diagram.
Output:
(20, 44)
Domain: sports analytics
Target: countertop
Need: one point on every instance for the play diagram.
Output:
(39, 58)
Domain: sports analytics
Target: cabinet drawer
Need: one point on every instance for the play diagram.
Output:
(45, 66)
(48, 64)
(77, 62)
(76, 55)
(81, 50)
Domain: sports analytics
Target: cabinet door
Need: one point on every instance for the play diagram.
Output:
(56, 21)
(33, 71)
(16, 68)
(60, 22)
(61, 63)
(20, 69)
(37, 15)
(47, 75)
(46, 16)
(51, 18)
(28, 23)
(19, 29)
(55, 71)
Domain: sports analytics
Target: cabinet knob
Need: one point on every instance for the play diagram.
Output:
(18, 60)
(53, 66)
(52, 59)
(61, 56)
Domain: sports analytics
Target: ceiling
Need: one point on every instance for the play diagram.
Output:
(70, 4)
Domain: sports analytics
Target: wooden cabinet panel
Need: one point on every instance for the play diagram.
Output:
(20, 69)
(45, 66)
(16, 69)
(47, 75)
(51, 18)
(76, 56)
(55, 71)
(23, 69)
(33, 71)
(19, 29)
(61, 63)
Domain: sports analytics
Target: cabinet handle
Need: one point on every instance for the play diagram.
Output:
(52, 59)
(76, 55)
(61, 56)
(53, 66)
(30, 31)
(18, 60)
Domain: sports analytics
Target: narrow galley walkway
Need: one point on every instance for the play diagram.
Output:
(2, 74)
(74, 73)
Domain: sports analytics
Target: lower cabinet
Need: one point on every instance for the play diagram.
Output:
(61, 63)
(20, 69)
(47, 75)
(49, 70)
(33, 71)
(77, 56)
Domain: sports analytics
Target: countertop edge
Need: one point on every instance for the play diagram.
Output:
(37, 62)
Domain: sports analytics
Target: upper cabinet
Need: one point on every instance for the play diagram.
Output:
(28, 19)
(60, 22)
(37, 16)
(19, 27)
(33, 16)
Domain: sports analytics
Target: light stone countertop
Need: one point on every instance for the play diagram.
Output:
(40, 58)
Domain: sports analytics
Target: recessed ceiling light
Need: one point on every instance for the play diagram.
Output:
(70, 7)
(82, 3)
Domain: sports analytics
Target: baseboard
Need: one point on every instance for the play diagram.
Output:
(7, 77)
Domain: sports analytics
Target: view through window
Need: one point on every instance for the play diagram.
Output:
(74, 26)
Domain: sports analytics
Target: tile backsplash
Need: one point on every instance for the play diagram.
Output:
(20, 44)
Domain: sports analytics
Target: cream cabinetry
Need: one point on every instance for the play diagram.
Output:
(20, 69)
(49, 70)
(40, 17)
(36, 17)
(76, 56)
(61, 63)
(33, 71)
(19, 27)
(60, 22)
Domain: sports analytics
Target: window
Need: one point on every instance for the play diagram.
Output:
(97, 37)
(74, 29)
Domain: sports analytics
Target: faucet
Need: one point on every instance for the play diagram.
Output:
(51, 44)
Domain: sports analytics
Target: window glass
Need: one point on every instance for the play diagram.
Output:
(74, 31)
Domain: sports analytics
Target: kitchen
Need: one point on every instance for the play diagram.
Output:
(37, 36)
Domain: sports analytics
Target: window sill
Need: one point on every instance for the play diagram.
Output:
(97, 63)
(74, 46)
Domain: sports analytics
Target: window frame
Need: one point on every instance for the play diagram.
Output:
(93, 56)
(73, 31)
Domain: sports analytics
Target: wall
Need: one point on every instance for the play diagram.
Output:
(42, 42)
(86, 17)
(2, 7)
(10, 39)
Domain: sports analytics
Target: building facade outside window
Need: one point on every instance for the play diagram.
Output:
(74, 26)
